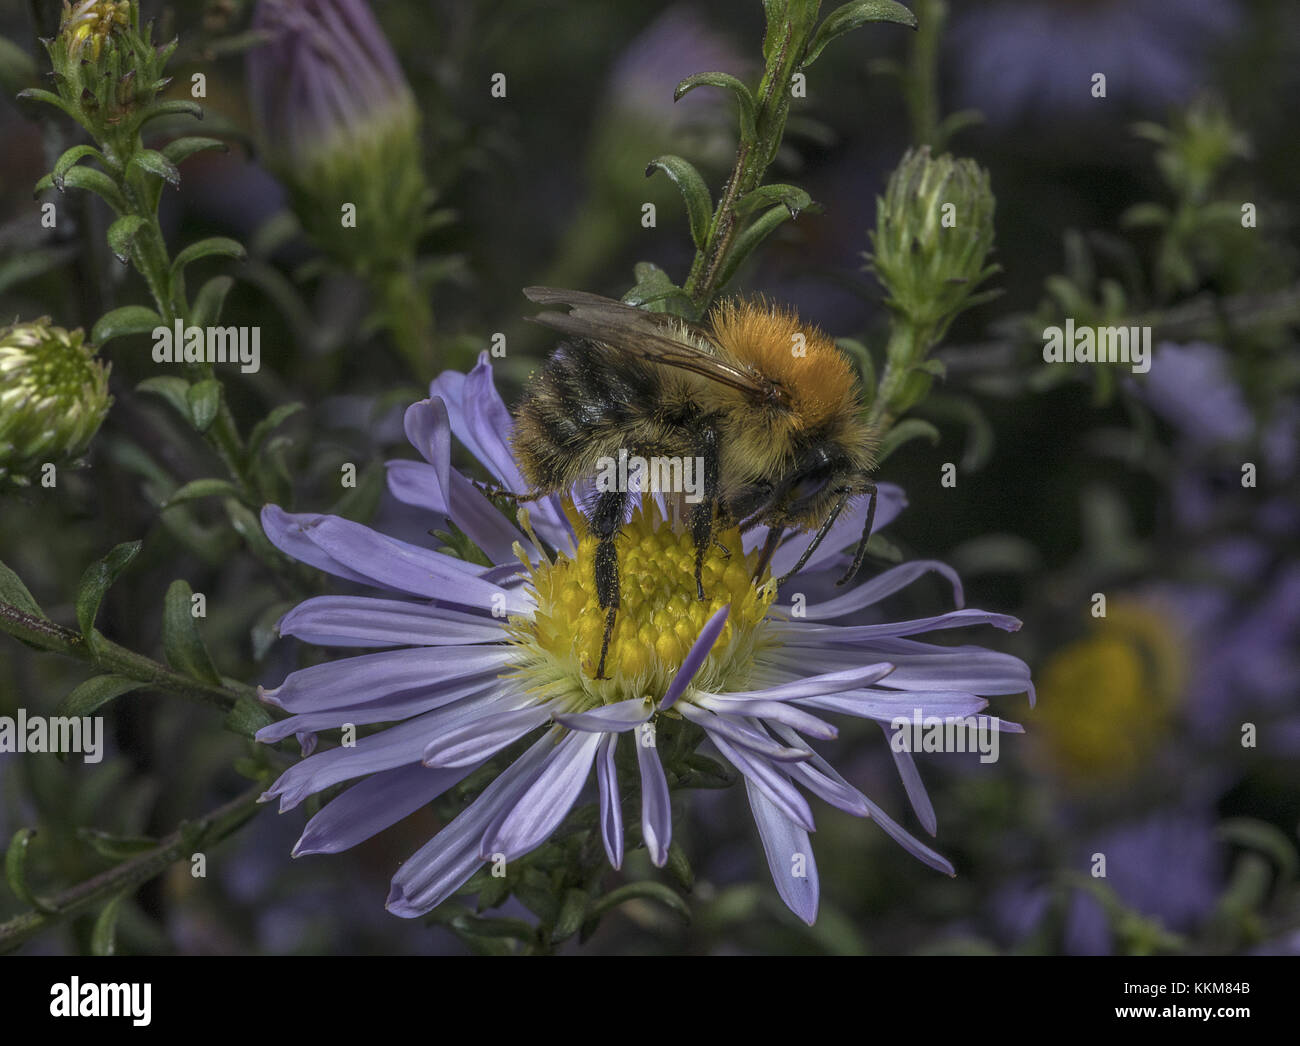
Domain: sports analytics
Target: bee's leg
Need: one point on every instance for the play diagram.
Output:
(769, 547)
(702, 515)
(606, 520)
(818, 538)
(866, 535)
(491, 490)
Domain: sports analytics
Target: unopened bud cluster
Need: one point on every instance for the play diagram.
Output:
(934, 232)
(53, 397)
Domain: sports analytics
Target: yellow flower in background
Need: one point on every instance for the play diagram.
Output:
(1109, 697)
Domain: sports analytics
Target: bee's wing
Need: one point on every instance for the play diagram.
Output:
(645, 335)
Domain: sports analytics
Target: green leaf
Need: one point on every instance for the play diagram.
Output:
(32, 262)
(210, 300)
(116, 847)
(96, 181)
(200, 488)
(214, 245)
(270, 423)
(173, 390)
(153, 162)
(1259, 835)
(69, 160)
(493, 892)
(96, 581)
(16, 870)
(648, 890)
(182, 644)
(249, 527)
(36, 94)
(1145, 214)
(958, 121)
(513, 929)
(748, 126)
(170, 108)
(359, 503)
(14, 592)
(749, 239)
(861, 355)
(904, 432)
(103, 938)
(850, 16)
(88, 697)
(183, 148)
(679, 866)
(573, 912)
(204, 399)
(794, 199)
(699, 207)
(655, 292)
(129, 319)
(122, 233)
(247, 717)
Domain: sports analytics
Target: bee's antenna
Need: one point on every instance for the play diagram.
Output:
(861, 552)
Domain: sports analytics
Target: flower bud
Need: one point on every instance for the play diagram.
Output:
(106, 68)
(339, 126)
(53, 397)
(934, 230)
(89, 24)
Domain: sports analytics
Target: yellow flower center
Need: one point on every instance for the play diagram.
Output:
(658, 620)
(1106, 699)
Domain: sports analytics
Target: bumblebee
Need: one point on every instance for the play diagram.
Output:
(770, 406)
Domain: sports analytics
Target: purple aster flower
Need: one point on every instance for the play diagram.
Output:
(1192, 388)
(678, 44)
(470, 659)
(1034, 57)
(1162, 868)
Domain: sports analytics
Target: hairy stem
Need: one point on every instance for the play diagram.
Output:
(132, 873)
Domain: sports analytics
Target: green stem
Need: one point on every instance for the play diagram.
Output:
(107, 656)
(907, 346)
(752, 161)
(921, 81)
(131, 874)
(408, 316)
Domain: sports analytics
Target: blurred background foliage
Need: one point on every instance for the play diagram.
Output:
(1072, 480)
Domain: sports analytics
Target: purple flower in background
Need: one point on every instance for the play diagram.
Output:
(678, 44)
(1015, 58)
(1162, 869)
(1192, 388)
(326, 78)
(471, 659)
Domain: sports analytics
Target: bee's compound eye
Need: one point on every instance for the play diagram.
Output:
(807, 488)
